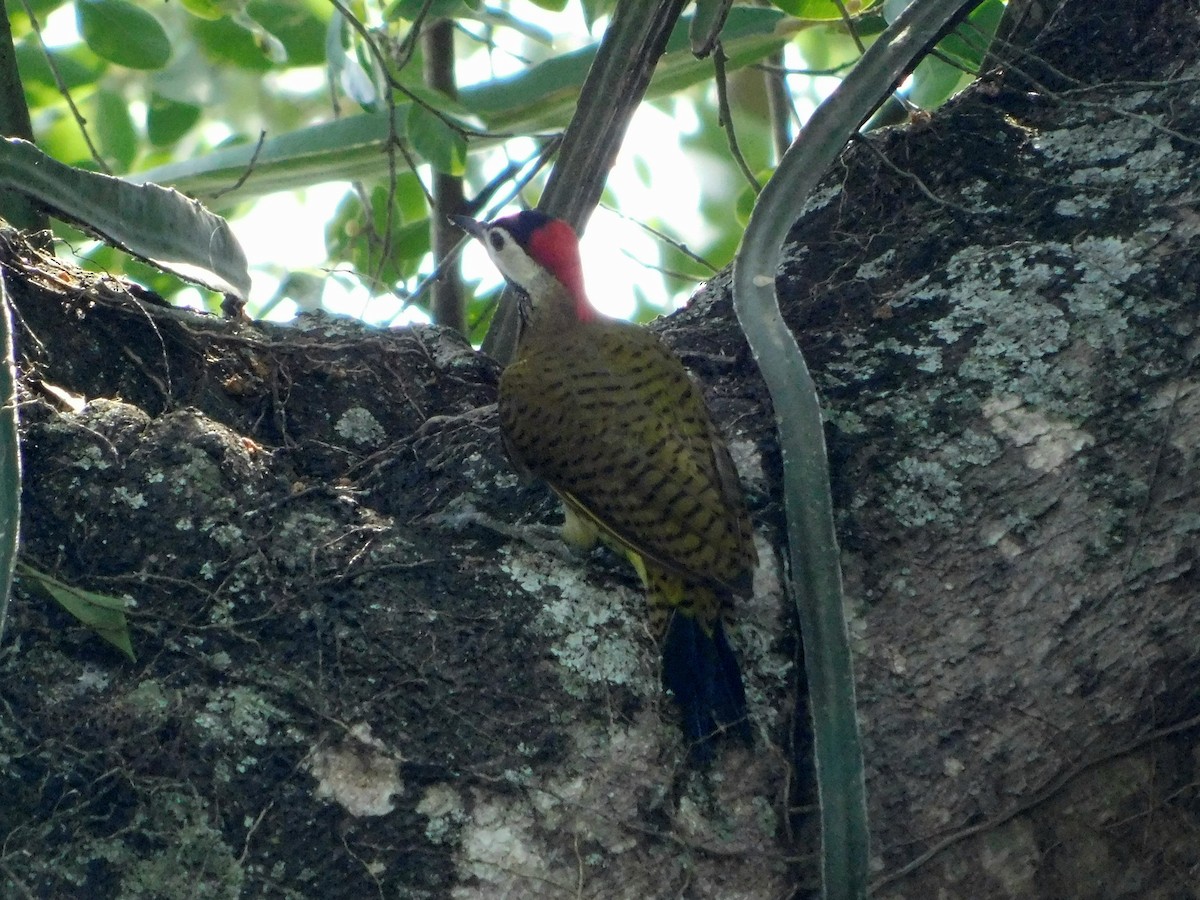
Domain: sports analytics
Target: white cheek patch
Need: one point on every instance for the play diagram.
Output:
(514, 264)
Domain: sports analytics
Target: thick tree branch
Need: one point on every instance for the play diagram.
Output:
(615, 85)
(446, 302)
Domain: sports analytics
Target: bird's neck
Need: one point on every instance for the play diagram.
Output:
(555, 308)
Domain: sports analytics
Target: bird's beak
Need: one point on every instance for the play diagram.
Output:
(473, 227)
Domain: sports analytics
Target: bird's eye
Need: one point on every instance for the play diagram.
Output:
(496, 239)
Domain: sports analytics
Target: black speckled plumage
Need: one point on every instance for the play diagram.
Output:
(607, 415)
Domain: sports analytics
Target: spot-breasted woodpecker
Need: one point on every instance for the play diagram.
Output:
(606, 414)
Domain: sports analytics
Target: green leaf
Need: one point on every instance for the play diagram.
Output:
(155, 223)
(114, 129)
(205, 9)
(542, 98)
(76, 66)
(268, 44)
(984, 20)
(748, 196)
(934, 81)
(410, 197)
(707, 22)
(226, 41)
(818, 10)
(444, 147)
(480, 313)
(120, 32)
(58, 134)
(448, 107)
(504, 19)
(385, 259)
(168, 120)
(438, 9)
(552, 5)
(594, 9)
(827, 46)
(345, 69)
(346, 149)
(40, 8)
(545, 95)
(102, 613)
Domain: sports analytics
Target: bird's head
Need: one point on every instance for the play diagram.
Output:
(532, 252)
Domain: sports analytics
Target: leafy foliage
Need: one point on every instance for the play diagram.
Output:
(229, 101)
(102, 613)
(122, 33)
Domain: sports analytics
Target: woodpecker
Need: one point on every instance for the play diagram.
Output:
(607, 415)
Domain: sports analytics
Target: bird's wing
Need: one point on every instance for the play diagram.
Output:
(611, 420)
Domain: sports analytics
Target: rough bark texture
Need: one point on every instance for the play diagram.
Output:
(353, 681)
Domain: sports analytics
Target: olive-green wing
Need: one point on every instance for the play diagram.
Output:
(610, 419)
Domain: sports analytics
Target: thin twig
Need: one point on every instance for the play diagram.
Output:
(392, 144)
(665, 238)
(1106, 109)
(395, 84)
(850, 29)
(785, 70)
(16, 882)
(684, 277)
(953, 63)
(1128, 86)
(1022, 53)
(408, 46)
(484, 195)
(914, 178)
(248, 170)
(726, 116)
(543, 156)
(65, 91)
(1052, 787)
(779, 105)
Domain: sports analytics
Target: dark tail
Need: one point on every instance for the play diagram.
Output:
(702, 672)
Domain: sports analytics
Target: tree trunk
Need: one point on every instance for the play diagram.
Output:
(354, 679)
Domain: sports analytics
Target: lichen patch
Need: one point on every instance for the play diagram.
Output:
(1047, 443)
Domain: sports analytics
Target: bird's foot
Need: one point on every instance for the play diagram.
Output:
(543, 538)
